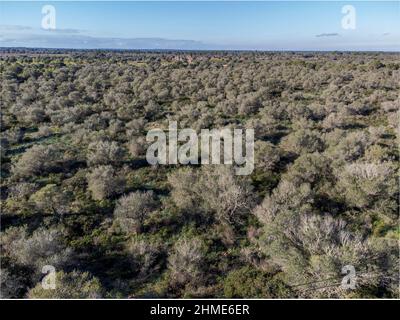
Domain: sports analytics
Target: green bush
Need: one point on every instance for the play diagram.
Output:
(248, 282)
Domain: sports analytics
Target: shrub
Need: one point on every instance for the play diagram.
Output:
(335, 120)
(303, 141)
(11, 285)
(135, 127)
(351, 147)
(103, 182)
(42, 247)
(137, 147)
(248, 282)
(52, 199)
(38, 160)
(145, 256)
(104, 153)
(267, 156)
(133, 209)
(369, 184)
(286, 203)
(311, 248)
(311, 168)
(228, 197)
(73, 285)
(185, 262)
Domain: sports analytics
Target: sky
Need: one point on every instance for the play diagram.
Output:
(207, 25)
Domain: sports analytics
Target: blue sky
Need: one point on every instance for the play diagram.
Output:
(265, 25)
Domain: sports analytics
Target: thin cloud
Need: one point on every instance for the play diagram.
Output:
(66, 31)
(20, 28)
(11, 28)
(327, 35)
(54, 40)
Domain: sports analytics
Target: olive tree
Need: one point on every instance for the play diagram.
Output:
(133, 209)
(215, 190)
(104, 153)
(42, 247)
(37, 160)
(185, 261)
(104, 182)
(367, 185)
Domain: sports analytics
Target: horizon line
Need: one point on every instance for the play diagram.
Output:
(197, 50)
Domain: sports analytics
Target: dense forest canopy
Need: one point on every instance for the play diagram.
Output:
(78, 194)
